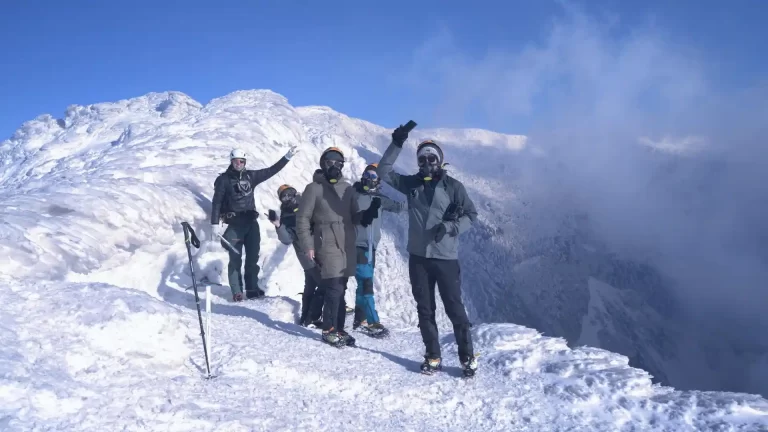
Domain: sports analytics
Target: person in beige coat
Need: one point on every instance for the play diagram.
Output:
(327, 206)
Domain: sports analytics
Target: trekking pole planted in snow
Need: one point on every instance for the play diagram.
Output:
(208, 320)
(190, 237)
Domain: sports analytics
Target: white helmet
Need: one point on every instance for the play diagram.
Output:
(237, 154)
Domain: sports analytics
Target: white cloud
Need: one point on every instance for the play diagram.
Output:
(589, 89)
(681, 146)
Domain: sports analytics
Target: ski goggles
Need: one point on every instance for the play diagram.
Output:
(423, 159)
(327, 163)
(288, 195)
(370, 175)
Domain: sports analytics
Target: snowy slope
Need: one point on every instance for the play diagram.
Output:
(98, 357)
(94, 277)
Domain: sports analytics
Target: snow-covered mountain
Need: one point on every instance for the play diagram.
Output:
(94, 280)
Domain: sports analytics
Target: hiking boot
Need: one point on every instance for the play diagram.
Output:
(469, 366)
(375, 330)
(316, 324)
(431, 366)
(237, 297)
(348, 339)
(333, 338)
(254, 294)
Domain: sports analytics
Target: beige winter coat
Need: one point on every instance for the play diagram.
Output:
(328, 209)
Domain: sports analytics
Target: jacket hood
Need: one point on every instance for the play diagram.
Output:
(319, 177)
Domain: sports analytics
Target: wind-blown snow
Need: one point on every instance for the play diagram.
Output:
(101, 330)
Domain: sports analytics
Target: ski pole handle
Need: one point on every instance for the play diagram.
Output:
(189, 235)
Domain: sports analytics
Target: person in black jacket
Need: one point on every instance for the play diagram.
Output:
(234, 205)
(285, 226)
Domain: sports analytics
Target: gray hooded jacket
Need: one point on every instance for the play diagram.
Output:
(362, 202)
(328, 209)
(427, 205)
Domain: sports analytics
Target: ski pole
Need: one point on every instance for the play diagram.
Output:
(190, 237)
(208, 320)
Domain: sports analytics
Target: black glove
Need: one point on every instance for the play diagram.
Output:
(273, 216)
(453, 212)
(371, 212)
(375, 204)
(399, 136)
(440, 233)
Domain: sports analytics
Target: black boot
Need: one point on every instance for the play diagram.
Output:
(257, 293)
(333, 338)
(431, 366)
(469, 366)
(348, 339)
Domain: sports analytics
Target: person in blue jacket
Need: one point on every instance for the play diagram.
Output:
(369, 203)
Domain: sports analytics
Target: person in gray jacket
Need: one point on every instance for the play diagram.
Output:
(369, 203)
(439, 210)
(285, 225)
(326, 231)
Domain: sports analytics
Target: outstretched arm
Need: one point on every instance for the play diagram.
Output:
(404, 184)
(262, 175)
(390, 205)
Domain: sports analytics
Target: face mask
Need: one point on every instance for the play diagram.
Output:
(289, 207)
(369, 181)
(332, 169)
(428, 166)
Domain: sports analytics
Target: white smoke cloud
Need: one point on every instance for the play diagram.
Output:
(669, 166)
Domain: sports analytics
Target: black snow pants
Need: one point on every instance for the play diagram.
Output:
(424, 273)
(312, 298)
(334, 305)
(243, 231)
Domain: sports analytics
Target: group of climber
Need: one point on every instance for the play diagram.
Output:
(335, 227)
(322, 273)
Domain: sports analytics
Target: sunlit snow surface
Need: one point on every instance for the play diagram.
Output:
(99, 327)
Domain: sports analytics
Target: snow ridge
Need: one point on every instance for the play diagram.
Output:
(102, 326)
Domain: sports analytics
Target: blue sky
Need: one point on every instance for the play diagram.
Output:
(354, 56)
